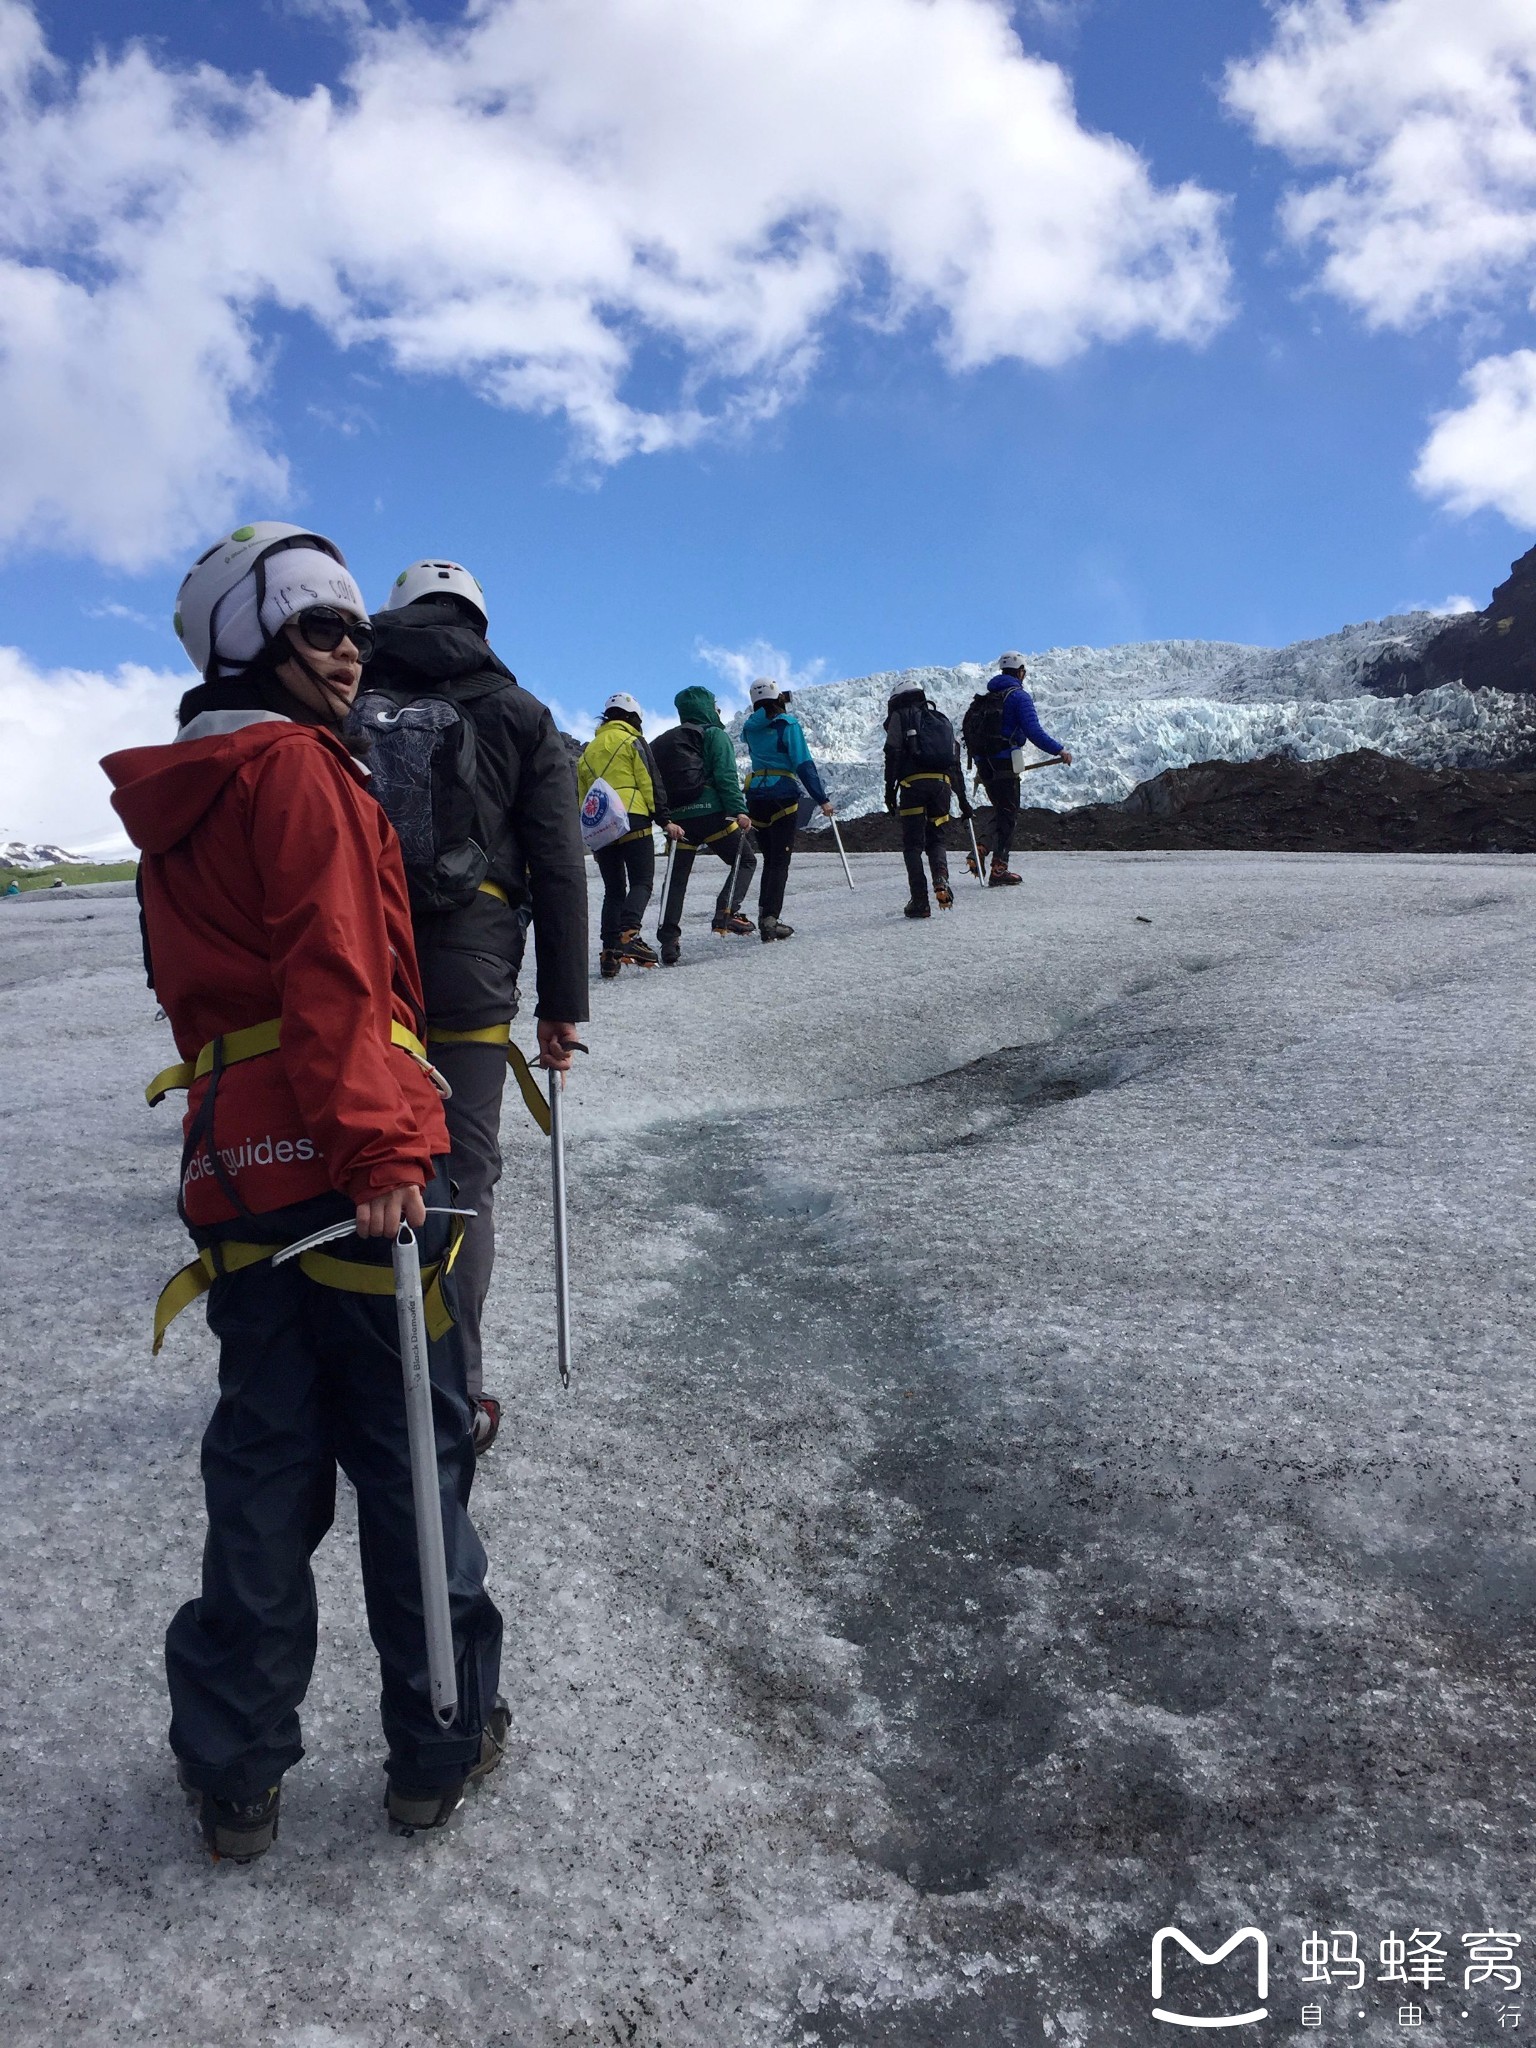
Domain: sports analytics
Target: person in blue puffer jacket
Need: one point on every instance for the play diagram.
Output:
(1000, 719)
(781, 761)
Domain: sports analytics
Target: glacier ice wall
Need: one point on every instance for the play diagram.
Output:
(1127, 713)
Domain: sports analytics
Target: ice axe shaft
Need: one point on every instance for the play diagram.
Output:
(981, 873)
(426, 1487)
(741, 840)
(666, 886)
(562, 1248)
(842, 856)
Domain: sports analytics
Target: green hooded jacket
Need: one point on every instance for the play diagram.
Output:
(722, 787)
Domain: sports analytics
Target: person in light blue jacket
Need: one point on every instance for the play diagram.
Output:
(781, 762)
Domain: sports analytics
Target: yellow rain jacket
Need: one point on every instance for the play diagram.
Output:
(618, 755)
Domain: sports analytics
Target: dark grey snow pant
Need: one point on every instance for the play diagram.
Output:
(774, 823)
(1003, 794)
(922, 832)
(477, 1075)
(309, 1379)
(712, 834)
(628, 869)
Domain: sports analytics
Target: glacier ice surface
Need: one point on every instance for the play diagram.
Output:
(1128, 713)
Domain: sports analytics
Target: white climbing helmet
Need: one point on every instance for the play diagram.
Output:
(436, 579)
(621, 700)
(1011, 661)
(228, 608)
(765, 691)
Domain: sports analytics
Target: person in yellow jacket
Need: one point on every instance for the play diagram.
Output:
(618, 755)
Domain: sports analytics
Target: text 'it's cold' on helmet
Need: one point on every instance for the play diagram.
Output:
(211, 591)
(437, 579)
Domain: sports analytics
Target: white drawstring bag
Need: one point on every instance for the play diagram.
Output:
(603, 816)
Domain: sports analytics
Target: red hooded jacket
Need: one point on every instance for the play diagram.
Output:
(273, 887)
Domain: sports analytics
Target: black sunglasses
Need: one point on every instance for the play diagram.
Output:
(324, 628)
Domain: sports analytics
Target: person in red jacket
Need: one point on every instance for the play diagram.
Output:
(278, 936)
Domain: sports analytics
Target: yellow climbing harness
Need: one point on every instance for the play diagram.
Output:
(230, 1049)
(351, 1276)
(928, 809)
(501, 1034)
(233, 1047)
(698, 845)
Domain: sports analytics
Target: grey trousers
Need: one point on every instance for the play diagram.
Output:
(476, 1074)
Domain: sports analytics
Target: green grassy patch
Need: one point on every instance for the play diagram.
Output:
(70, 871)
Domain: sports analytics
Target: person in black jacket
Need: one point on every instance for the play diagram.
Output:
(431, 641)
(922, 766)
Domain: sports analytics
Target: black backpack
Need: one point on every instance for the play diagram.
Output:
(982, 729)
(927, 739)
(423, 761)
(679, 758)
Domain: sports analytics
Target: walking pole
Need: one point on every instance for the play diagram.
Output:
(562, 1251)
(848, 871)
(970, 826)
(666, 885)
(425, 1483)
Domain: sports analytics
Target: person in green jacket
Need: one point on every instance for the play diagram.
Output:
(713, 817)
(618, 754)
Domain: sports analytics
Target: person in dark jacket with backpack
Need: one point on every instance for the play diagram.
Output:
(1000, 720)
(922, 768)
(698, 766)
(521, 815)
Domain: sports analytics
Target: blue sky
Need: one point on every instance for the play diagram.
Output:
(1235, 459)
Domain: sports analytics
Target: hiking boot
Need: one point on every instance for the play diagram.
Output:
(234, 1830)
(918, 907)
(738, 923)
(1002, 876)
(943, 895)
(486, 1422)
(609, 963)
(671, 952)
(636, 950)
(770, 928)
(970, 861)
(412, 1812)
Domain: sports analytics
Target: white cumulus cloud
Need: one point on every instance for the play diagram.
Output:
(640, 214)
(1425, 110)
(1484, 452)
(55, 725)
(739, 668)
(1417, 119)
